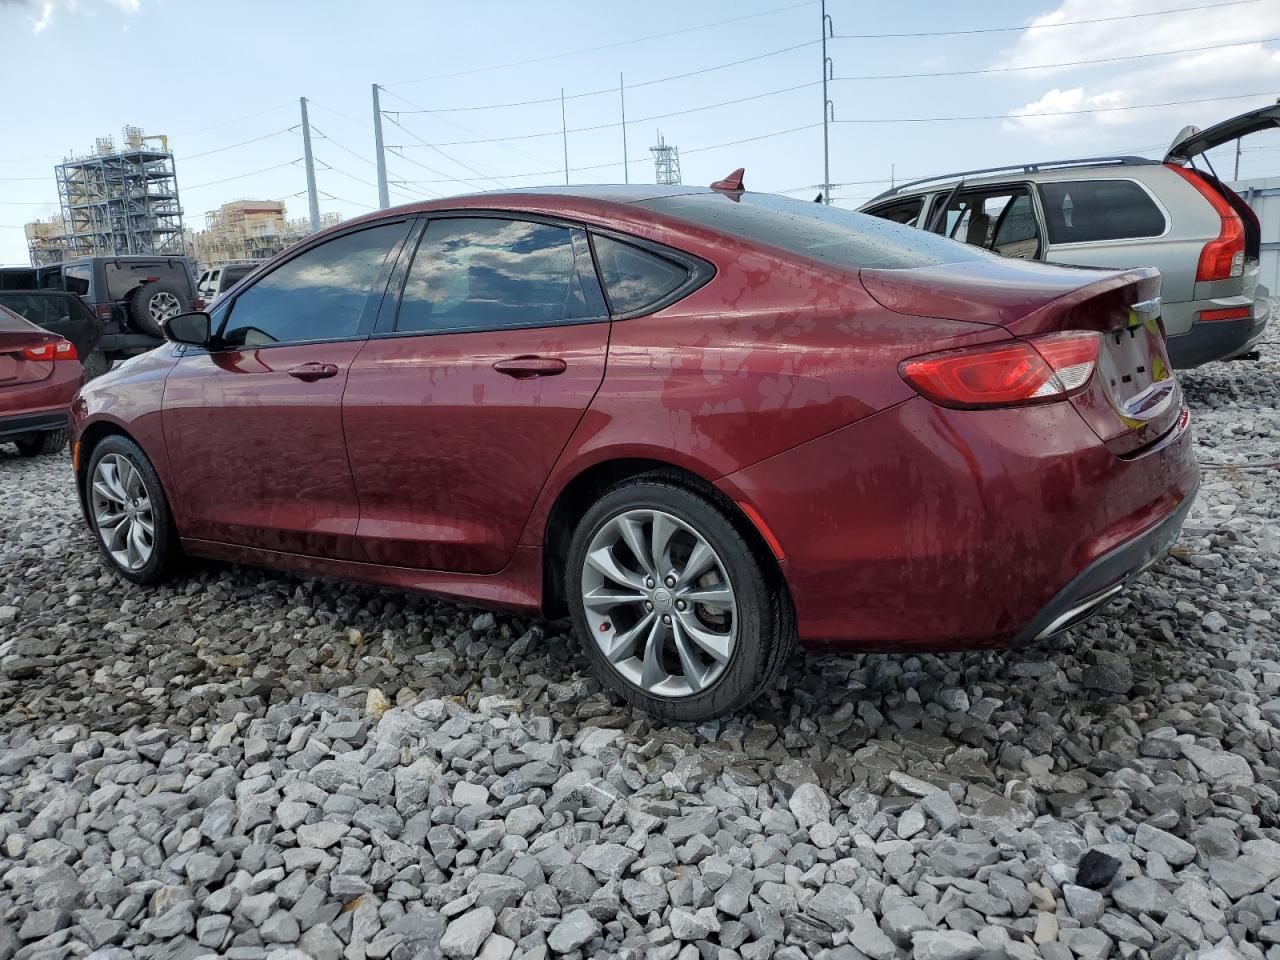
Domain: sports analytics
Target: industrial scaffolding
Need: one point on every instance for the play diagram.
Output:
(123, 201)
(666, 162)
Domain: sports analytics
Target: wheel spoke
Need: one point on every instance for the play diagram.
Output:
(604, 599)
(720, 596)
(633, 536)
(624, 643)
(103, 489)
(718, 646)
(700, 560)
(663, 529)
(694, 672)
(651, 673)
(111, 477)
(602, 560)
(119, 535)
(106, 520)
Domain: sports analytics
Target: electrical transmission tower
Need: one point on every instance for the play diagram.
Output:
(666, 162)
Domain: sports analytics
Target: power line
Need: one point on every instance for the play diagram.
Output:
(1054, 113)
(224, 123)
(1040, 26)
(437, 149)
(606, 46)
(241, 176)
(1050, 66)
(242, 143)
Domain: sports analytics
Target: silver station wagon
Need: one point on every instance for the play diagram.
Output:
(1174, 214)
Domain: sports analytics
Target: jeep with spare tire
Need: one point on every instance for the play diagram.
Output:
(131, 295)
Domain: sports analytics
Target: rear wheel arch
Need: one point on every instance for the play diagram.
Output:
(586, 487)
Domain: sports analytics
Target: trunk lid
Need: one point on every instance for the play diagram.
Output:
(1191, 141)
(16, 335)
(1132, 399)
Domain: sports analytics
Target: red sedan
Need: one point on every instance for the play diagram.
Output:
(704, 423)
(39, 376)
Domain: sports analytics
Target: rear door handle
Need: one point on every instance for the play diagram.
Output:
(313, 371)
(525, 368)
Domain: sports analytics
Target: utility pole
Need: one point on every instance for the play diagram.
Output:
(564, 133)
(1236, 177)
(384, 198)
(312, 198)
(622, 97)
(827, 108)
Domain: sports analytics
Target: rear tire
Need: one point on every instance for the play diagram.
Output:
(42, 444)
(153, 302)
(129, 512)
(95, 365)
(698, 628)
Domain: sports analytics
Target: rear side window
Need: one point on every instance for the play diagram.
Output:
(486, 273)
(75, 279)
(635, 279)
(829, 234)
(1079, 211)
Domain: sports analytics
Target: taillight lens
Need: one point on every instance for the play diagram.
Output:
(55, 350)
(198, 304)
(1222, 258)
(1036, 370)
(1229, 313)
(103, 311)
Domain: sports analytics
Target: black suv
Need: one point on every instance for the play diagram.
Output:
(129, 294)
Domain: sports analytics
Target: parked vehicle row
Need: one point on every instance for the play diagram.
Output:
(39, 376)
(704, 423)
(1121, 212)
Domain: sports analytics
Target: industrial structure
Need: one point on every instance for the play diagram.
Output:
(250, 230)
(45, 241)
(666, 162)
(120, 201)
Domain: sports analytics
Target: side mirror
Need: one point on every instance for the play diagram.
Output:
(192, 328)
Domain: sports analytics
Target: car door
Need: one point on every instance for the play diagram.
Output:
(458, 407)
(254, 426)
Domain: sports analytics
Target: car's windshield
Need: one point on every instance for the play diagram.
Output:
(816, 230)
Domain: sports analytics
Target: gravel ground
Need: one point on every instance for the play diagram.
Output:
(247, 764)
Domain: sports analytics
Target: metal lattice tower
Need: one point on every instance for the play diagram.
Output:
(121, 201)
(666, 162)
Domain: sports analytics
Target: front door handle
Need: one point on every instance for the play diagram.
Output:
(525, 368)
(313, 371)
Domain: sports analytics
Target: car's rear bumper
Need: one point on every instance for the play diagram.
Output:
(927, 528)
(40, 421)
(1210, 340)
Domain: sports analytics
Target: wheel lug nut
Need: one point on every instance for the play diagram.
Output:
(680, 604)
(648, 582)
(648, 604)
(671, 581)
(666, 618)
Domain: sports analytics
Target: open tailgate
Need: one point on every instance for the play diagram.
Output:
(1191, 141)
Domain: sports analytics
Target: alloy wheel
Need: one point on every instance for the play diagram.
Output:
(659, 603)
(163, 306)
(122, 511)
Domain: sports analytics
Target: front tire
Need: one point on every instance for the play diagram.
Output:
(129, 512)
(42, 444)
(672, 604)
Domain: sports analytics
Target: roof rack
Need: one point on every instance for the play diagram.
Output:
(1022, 168)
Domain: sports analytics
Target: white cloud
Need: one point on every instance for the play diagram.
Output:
(50, 10)
(1227, 71)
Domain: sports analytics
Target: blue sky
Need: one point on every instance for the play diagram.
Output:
(212, 76)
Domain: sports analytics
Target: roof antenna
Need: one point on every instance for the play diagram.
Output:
(732, 183)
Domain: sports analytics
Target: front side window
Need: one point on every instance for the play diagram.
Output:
(318, 295)
(485, 273)
(633, 278)
(906, 212)
(1079, 211)
(76, 279)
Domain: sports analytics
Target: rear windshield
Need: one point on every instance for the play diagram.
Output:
(815, 230)
(123, 278)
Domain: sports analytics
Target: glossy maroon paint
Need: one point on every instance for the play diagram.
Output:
(32, 388)
(417, 465)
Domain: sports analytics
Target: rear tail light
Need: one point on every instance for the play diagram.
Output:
(1229, 313)
(197, 304)
(56, 350)
(103, 311)
(1222, 258)
(1012, 373)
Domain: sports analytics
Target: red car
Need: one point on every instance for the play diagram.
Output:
(39, 376)
(705, 423)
